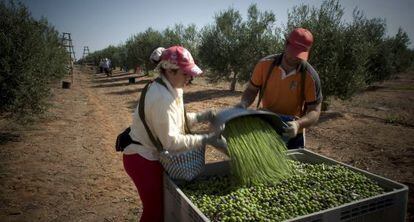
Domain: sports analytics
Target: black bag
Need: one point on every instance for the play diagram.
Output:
(123, 140)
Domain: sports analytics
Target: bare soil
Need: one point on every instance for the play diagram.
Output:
(64, 166)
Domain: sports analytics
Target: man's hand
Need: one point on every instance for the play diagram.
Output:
(292, 130)
(207, 116)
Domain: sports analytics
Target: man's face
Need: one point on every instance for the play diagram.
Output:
(291, 60)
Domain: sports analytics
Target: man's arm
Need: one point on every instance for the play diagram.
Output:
(311, 117)
(249, 95)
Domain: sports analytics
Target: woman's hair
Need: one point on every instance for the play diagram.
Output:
(163, 65)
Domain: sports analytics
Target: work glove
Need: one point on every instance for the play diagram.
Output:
(292, 130)
(206, 116)
(216, 140)
(220, 143)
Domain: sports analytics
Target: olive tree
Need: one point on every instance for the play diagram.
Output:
(348, 56)
(338, 52)
(140, 47)
(261, 38)
(221, 46)
(31, 57)
(230, 47)
(186, 36)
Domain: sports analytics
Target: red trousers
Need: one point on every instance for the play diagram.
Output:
(147, 176)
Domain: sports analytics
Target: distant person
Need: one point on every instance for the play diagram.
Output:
(166, 119)
(101, 66)
(285, 90)
(107, 66)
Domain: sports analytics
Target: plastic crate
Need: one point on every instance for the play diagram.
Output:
(390, 206)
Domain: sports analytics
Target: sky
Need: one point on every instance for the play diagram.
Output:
(98, 24)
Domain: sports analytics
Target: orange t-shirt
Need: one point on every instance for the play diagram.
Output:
(283, 94)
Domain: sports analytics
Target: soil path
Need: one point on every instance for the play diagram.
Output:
(64, 168)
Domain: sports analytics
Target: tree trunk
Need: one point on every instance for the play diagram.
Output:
(233, 82)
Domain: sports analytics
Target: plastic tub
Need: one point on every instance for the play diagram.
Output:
(390, 206)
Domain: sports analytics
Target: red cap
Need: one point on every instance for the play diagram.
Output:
(181, 57)
(299, 43)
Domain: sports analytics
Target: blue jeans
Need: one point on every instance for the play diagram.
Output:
(296, 142)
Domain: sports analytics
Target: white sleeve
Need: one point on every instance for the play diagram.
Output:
(163, 117)
(192, 119)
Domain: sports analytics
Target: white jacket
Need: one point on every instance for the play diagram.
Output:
(164, 114)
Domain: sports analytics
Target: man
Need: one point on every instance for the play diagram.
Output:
(288, 86)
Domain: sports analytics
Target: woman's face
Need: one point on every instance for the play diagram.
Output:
(178, 79)
(184, 78)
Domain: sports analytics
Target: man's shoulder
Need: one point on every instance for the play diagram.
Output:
(311, 71)
(270, 58)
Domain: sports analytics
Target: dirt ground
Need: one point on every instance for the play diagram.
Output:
(65, 168)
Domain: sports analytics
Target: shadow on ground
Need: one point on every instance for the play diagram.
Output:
(116, 79)
(6, 137)
(209, 94)
(132, 104)
(144, 81)
(103, 75)
(126, 92)
(329, 115)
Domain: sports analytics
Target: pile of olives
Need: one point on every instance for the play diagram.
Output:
(311, 188)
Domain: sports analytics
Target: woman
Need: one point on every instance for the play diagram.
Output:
(164, 111)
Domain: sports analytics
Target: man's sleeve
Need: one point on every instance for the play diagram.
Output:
(313, 89)
(192, 119)
(257, 76)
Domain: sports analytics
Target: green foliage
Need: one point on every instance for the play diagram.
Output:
(31, 58)
(117, 55)
(140, 47)
(379, 65)
(336, 52)
(184, 36)
(400, 52)
(231, 47)
(261, 39)
(350, 56)
(137, 49)
(221, 45)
